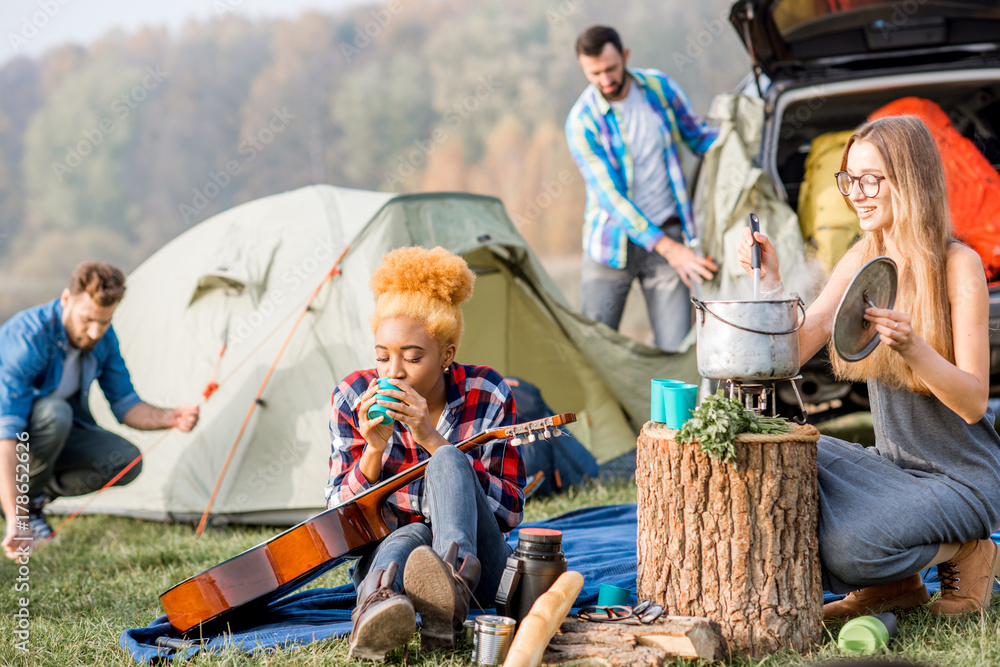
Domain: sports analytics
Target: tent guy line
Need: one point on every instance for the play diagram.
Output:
(334, 271)
(210, 388)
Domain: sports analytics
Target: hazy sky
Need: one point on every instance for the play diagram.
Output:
(30, 27)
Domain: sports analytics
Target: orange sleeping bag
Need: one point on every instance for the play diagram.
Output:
(973, 184)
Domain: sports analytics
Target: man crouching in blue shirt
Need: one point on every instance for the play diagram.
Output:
(49, 442)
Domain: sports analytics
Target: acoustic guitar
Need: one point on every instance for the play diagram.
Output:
(232, 592)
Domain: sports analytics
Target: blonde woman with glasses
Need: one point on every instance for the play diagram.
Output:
(928, 492)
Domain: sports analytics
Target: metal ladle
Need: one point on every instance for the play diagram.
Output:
(755, 255)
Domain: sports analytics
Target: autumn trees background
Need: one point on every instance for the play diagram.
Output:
(108, 152)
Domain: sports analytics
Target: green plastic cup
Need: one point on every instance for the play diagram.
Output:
(678, 404)
(865, 635)
(657, 386)
(377, 410)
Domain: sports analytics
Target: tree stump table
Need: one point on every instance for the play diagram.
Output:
(736, 543)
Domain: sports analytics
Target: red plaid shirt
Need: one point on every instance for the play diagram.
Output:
(478, 399)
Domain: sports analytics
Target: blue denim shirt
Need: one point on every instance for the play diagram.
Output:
(33, 347)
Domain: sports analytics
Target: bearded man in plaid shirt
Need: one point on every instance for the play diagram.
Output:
(625, 133)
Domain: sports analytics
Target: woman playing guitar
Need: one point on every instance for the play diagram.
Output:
(448, 540)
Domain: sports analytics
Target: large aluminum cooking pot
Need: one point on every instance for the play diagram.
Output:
(749, 340)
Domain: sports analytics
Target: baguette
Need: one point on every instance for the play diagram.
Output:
(543, 620)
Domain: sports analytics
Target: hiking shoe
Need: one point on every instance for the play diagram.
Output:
(967, 579)
(903, 594)
(40, 528)
(440, 592)
(383, 618)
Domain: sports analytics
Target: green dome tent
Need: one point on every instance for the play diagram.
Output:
(241, 278)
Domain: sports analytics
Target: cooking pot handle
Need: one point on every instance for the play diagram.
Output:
(700, 305)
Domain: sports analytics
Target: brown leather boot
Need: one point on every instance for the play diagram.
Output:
(440, 592)
(967, 579)
(903, 594)
(383, 619)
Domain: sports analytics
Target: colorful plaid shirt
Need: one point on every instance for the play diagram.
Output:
(597, 145)
(478, 399)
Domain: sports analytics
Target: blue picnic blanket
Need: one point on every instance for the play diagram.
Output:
(599, 543)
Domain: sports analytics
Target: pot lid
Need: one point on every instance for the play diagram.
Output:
(794, 36)
(873, 285)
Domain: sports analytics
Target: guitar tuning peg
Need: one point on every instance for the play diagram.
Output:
(515, 441)
(532, 437)
(546, 434)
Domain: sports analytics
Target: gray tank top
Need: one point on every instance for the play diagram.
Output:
(923, 435)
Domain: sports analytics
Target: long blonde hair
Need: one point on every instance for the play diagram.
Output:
(921, 227)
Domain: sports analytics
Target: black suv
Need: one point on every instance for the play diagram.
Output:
(824, 65)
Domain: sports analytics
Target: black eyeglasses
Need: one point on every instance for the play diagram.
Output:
(605, 613)
(869, 183)
(645, 612)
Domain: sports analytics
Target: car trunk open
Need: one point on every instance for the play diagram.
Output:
(792, 38)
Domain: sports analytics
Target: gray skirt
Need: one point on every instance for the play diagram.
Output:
(880, 522)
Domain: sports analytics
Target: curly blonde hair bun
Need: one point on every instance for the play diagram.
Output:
(426, 285)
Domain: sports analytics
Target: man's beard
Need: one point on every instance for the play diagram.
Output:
(616, 93)
(81, 343)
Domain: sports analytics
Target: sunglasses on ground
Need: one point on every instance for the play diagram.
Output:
(645, 612)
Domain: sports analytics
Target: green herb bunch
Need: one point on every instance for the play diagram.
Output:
(717, 422)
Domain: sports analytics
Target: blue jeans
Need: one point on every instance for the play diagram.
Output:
(668, 300)
(66, 459)
(450, 483)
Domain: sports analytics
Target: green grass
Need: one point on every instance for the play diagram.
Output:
(103, 575)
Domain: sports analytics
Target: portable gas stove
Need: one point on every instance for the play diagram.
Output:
(759, 396)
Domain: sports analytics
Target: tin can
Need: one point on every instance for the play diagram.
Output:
(468, 633)
(492, 640)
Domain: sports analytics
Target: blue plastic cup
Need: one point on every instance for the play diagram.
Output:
(377, 410)
(657, 386)
(609, 596)
(679, 401)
